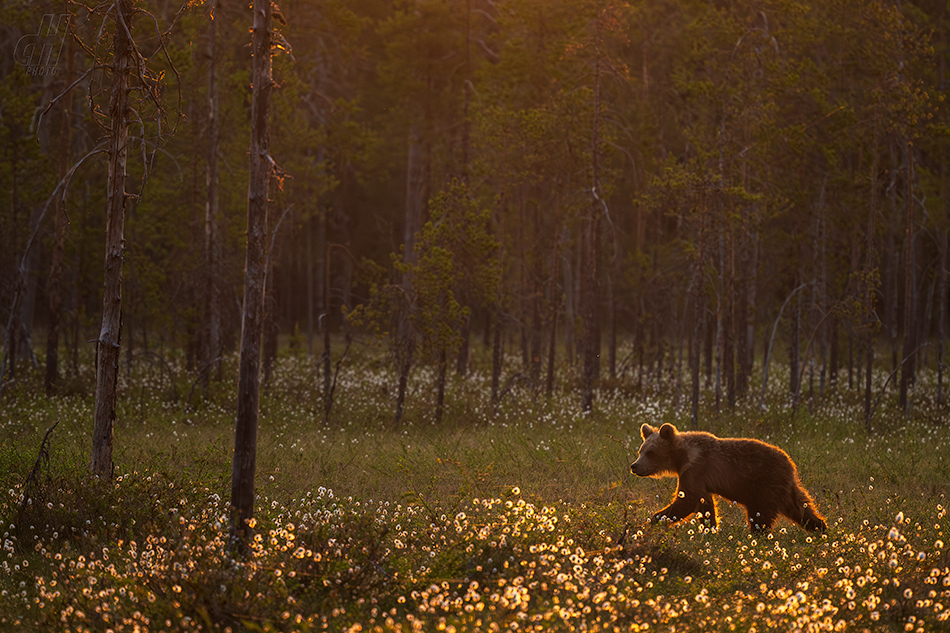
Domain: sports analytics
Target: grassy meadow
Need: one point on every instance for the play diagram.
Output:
(521, 517)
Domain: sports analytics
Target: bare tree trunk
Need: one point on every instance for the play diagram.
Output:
(311, 280)
(708, 340)
(570, 311)
(694, 345)
(720, 311)
(461, 365)
(941, 311)
(535, 335)
(794, 354)
(750, 302)
(324, 247)
(869, 291)
(741, 314)
(908, 364)
(211, 363)
(107, 345)
(416, 193)
(771, 341)
(58, 251)
(612, 315)
(892, 264)
(440, 387)
(589, 264)
(405, 365)
(833, 360)
(696, 297)
(28, 300)
(555, 302)
(729, 330)
(255, 279)
(270, 328)
(590, 349)
(640, 336)
(497, 329)
(496, 356)
(869, 358)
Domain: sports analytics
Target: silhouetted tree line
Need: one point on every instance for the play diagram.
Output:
(654, 194)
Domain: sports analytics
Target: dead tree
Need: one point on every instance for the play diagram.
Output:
(129, 68)
(107, 345)
(262, 166)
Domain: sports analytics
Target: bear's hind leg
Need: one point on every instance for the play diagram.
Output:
(760, 520)
(707, 510)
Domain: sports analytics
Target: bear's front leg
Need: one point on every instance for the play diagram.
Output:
(684, 504)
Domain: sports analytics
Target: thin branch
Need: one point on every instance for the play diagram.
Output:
(21, 269)
(880, 393)
(57, 98)
(273, 237)
(768, 351)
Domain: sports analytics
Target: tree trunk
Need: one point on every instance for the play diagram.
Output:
(720, 312)
(255, 273)
(107, 345)
(416, 193)
(892, 265)
(405, 365)
(794, 355)
(552, 334)
(869, 291)
(497, 356)
(440, 387)
(311, 280)
(535, 334)
(699, 326)
(461, 364)
(612, 315)
(908, 363)
(324, 248)
(211, 363)
(27, 305)
(570, 311)
(589, 264)
(58, 250)
(729, 330)
(270, 327)
(942, 264)
(869, 359)
(833, 360)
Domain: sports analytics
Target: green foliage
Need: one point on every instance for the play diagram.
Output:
(794, 117)
(453, 268)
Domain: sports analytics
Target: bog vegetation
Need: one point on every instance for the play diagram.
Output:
(516, 516)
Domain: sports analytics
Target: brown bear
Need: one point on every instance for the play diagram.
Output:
(761, 477)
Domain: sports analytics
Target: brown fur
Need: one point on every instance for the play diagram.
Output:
(761, 477)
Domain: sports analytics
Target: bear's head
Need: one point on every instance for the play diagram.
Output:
(656, 453)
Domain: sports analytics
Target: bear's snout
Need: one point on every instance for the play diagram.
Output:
(633, 469)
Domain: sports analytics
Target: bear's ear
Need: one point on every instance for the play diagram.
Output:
(667, 431)
(646, 431)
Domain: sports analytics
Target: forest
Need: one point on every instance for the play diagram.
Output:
(679, 190)
(407, 276)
